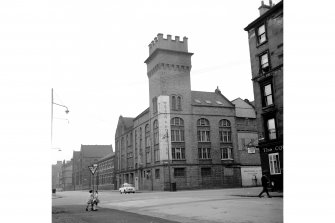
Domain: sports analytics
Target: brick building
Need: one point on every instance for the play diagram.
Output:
(185, 138)
(66, 176)
(265, 35)
(105, 174)
(88, 155)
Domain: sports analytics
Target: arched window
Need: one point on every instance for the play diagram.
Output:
(176, 102)
(225, 139)
(173, 102)
(204, 145)
(147, 136)
(154, 105)
(147, 144)
(177, 130)
(225, 130)
(203, 130)
(177, 138)
(156, 141)
(155, 127)
(202, 122)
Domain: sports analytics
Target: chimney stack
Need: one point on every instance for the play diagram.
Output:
(264, 8)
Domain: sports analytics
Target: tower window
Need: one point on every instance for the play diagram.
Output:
(176, 102)
(154, 105)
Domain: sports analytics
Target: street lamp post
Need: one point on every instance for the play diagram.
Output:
(52, 110)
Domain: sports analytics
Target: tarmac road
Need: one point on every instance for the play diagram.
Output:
(235, 205)
(77, 214)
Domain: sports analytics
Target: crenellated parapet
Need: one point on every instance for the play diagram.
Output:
(165, 66)
(169, 44)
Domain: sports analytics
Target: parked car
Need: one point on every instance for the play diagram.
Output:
(127, 188)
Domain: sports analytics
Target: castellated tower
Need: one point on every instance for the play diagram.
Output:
(168, 70)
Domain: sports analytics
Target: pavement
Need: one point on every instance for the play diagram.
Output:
(240, 205)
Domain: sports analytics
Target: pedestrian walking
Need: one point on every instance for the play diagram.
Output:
(265, 182)
(90, 200)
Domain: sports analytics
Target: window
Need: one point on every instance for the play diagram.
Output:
(173, 102)
(203, 130)
(203, 122)
(271, 129)
(176, 103)
(225, 130)
(261, 34)
(140, 146)
(136, 145)
(204, 153)
(203, 136)
(156, 154)
(157, 175)
(274, 163)
(179, 172)
(177, 121)
(177, 135)
(178, 153)
(264, 62)
(267, 94)
(147, 136)
(154, 105)
(206, 172)
(179, 103)
(177, 130)
(226, 153)
(147, 157)
(156, 135)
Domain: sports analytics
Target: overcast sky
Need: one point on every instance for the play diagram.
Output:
(92, 54)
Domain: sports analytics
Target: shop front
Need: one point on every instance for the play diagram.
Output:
(272, 163)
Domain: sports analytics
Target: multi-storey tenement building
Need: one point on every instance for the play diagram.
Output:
(185, 138)
(88, 155)
(105, 175)
(247, 136)
(266, 56)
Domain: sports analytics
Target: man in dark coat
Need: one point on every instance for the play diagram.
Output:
(265, 182)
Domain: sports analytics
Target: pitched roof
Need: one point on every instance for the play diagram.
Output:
(201, 98)
(243, 108)
(96, 150)
(128, 122)
(107, 157)
(143, 113)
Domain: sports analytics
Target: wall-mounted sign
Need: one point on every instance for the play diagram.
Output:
(251, 149)
(272, 149)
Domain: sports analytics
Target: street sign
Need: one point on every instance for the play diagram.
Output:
(93, 168)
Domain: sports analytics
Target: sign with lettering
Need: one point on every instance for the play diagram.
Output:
(272, 149)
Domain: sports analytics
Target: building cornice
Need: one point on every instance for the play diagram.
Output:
(165, 66)
(165, 50)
